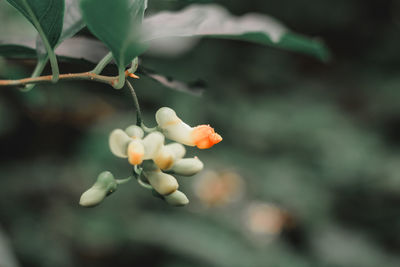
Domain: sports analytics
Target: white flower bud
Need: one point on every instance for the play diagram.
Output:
(152, 144)
(178, 150)
(134, 131)
(177, 198)
(168, 155)
(202, 136)
(163, 183)
(164, 159)
(166, 116)
(92, 197)
(119, 142)
(173, 127)
(104, 186)
(187, 167)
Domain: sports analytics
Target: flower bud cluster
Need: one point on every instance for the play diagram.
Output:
(157, 160)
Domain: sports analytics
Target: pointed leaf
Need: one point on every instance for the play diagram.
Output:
(77, 48)
(13, 51)
(45, 15)
(215, 21)
(116, 23)
(72, 23)
(17, 51)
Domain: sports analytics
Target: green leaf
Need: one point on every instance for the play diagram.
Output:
(14, 51)
(45, 15)
(73, 23)
(78, 48)
(117, 24)
(17, 51)
(216, 22)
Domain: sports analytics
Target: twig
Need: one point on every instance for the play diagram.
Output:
(90, 76)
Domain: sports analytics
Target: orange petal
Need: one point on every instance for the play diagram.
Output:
(164, 162)
(215, 138)
(135, 153)
(204, 136)
(135, 158)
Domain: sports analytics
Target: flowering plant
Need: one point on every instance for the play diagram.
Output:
(127, 34)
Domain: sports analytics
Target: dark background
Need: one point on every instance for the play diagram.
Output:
(308, 173)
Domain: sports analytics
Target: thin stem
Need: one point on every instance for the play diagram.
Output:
(134, 65)
(144, 184)
(110, 80)
(137, 170)
(137, 173)
(149, 130)
(37, 71)
(49, 49)
(121, 78)
(103, 63)
(136, 103)
(123, 181)
(54, 66)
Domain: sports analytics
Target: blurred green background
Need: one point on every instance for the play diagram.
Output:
(308, 173)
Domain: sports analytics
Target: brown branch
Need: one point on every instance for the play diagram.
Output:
(90, 76)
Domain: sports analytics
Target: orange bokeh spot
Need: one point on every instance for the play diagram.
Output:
(204, 136)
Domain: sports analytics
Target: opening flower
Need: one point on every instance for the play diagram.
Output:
(202, 136)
